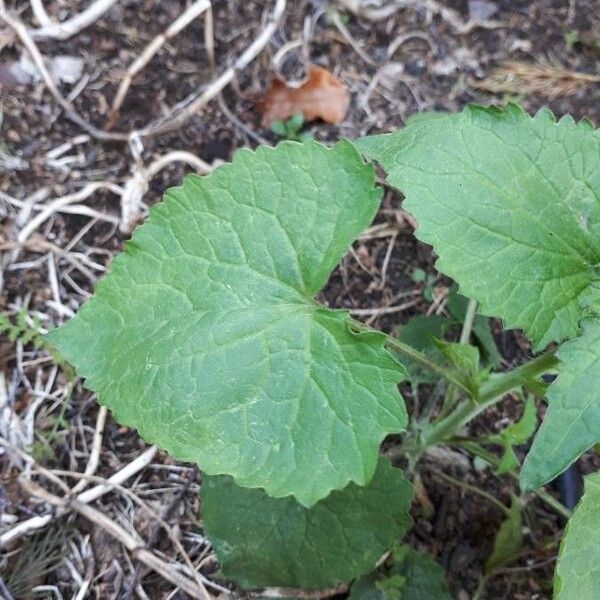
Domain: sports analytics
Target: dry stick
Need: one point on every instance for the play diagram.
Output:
(241, 125)
(68, 28)
(94, 458)
(200, 579)
(179, 113)
(451, 16)
(31, 461)
(131, 194)
(90, 495)
(138, 552)
(137, 185)
(75, 209)
(39, 12)
(19, 28)
(337, 21)
(5, 591)
(63, 201)
(191, 105)
(191, 13)
(153, 537)
(284, 592)
(40, 245)
(387, 258)
(209, 37)
(37, 490)
(382, 310)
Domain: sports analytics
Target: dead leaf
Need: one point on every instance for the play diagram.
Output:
(321, 97)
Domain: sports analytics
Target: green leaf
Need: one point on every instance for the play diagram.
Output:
(520, 432)
(365, 588)
(462, 356)
(515, 434)
(510, 204)
(419, 332)
(206, 338)
(263, 541)
(392, 586)
(465, 359)
(279, 128)
(578, 569)
(572, 422)
(296, 121)
(418, 275)
(508, 461)
(414, 576)
(509, 538)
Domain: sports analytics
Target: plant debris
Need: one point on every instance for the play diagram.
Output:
(322, 96)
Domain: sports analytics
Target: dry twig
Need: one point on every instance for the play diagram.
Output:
(23, 34)
(70, 27)
(132, 206)
(191, 13)
(94, 458)
(182, 111)
(380, 11)
(90, 495)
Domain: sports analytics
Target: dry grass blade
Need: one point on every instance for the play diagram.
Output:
(533, 78)
(37, 557)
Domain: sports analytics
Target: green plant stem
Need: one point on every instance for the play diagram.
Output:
(481, 587)
(491, 392)
(403, 348)
(542, 494)
(467, 327)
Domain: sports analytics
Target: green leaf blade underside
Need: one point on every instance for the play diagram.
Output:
(577, 574)
(263, 541)
(571, 424)
(511, 205)
(206, 338)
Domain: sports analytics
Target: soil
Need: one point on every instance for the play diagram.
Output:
(437, 65)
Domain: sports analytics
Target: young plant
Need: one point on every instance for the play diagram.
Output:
(206, 337)
(291, 129)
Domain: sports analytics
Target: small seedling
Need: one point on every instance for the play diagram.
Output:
(291, 129)
(428, 281)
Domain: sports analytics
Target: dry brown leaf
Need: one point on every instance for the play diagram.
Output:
(321, 97)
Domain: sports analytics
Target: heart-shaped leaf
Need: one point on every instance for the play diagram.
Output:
(206, 338)
(264, 541)
(510, 204)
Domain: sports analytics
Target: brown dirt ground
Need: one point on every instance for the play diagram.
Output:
(437, 66)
